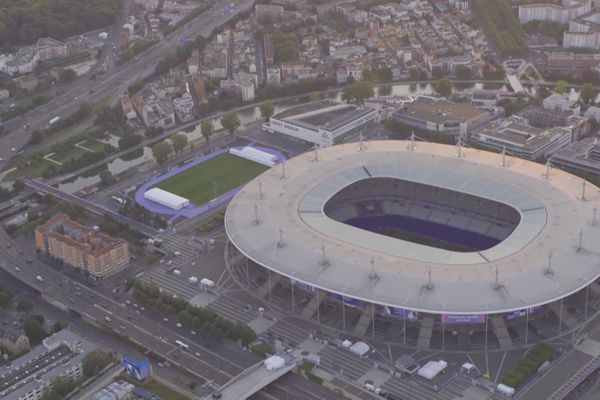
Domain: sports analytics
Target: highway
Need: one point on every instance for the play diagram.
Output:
(108, 87)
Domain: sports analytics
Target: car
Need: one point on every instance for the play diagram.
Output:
(29, 261)
(107, 319)
(122, 327)
(193, 333)
(137, 311)
(13, 149)
(179, 325)
(17, 269)
(165, 319)
(135, 305)
(128, 302)
(197, 354)
(142, 309)
(39, 278)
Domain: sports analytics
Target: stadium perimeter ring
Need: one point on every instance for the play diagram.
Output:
(278, 221)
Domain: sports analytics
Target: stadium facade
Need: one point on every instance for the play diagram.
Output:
(426, 244)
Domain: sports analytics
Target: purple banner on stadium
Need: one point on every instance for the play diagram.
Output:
(349, 301)
(463, 319)
(522, 313)
(302, 285)
(399, 312)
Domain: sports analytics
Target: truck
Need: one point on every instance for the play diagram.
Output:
(53, 120)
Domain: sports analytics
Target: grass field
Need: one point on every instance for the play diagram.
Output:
(163, 392)
(226, 171)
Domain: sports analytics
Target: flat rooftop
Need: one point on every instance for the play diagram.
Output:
(552, 215)
(325, 114)
(440, 111)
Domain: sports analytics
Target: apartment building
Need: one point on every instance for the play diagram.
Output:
(82, 247)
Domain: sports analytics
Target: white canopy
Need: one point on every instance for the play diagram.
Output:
(432, 368)
(252, 154)
(166, 199)
(360, 348)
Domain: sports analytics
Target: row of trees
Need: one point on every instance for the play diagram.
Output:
(195, 317)
(5, 297)
(24, 21)
(501, 25)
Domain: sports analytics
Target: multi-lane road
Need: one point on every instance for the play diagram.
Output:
(109, 86)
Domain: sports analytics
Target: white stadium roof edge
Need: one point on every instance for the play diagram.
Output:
(166, 199)
(553, 218)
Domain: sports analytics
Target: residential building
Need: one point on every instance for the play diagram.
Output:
(267, 10)
(81, 247)
(273, 76)
(518, 138)
(26, 82)
(268, 48)
(569, 61)
(561, 14)
(23, 62)
(127, 106)
(59, 355)
(593, 112)
(584, 31)
(562, 102)
(580, 156)
(13, 341)
(184, 107)
(49, 49)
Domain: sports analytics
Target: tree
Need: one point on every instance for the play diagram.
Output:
(18, 185)
(315, 96)
(24, 306)
(463, 72)
(561, 87)
(444, 86)
(161, 151)
(153, 131)
(67, 75)
(5, 298)
(34, 329)
(59, 326)
(36, 136)
(207, 128)
(358, 92)
(543, 92)
(414, 74)
(129, 140)
(267, 109)
(94, 362)
(230, 121)
(106, 177)
(587, 93)
(179, 141)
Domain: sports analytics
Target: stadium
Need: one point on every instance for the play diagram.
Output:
(424, 244)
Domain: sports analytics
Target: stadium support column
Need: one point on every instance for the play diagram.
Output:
(293, 301)
(373, 318)
(560, 312)
(269, 285)
(526, 325)
(585, 306)
(318, 307)
(344, 313)
(443, 336)
(404, 328)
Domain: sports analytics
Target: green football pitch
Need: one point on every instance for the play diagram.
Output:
(219, 175)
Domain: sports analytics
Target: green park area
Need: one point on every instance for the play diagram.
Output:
(212, 178)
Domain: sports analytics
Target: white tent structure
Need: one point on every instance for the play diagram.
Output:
(166, 199)
(252, 154)
(432, 368)
(360, 348)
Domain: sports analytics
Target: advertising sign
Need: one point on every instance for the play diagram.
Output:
(463, 319)
(349, 301)
(521, 313)
(399, 312)
(302, 285)
(139, 370)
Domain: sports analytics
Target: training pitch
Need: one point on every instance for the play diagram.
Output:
(212, 178)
